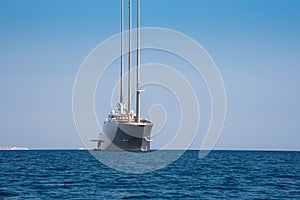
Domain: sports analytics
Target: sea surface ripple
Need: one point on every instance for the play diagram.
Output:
(72, 174)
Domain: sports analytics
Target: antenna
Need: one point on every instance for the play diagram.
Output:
(122, 57)
(138, 62)
(129, 59)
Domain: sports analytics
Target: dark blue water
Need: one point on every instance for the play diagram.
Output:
(222, 174)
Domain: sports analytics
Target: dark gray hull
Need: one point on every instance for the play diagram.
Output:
(125, 136)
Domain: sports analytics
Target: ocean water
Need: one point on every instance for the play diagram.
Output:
(72, 174)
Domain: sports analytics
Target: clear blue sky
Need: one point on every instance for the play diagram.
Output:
(255, 44)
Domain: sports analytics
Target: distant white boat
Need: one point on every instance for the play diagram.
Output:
(83, 148)
(13, 148)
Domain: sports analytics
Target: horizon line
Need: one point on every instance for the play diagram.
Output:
(154, 149)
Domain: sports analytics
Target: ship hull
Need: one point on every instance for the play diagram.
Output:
(127, 136)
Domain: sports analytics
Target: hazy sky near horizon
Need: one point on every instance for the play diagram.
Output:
(255, 45)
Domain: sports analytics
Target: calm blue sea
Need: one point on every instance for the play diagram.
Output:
(75, 174)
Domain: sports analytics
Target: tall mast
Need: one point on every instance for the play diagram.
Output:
(122, 57)
(138, 61)
(129, 58)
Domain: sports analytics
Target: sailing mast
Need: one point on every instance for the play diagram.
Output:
(122, 59)
(138, 62)
(129, 60)
(138, 89)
